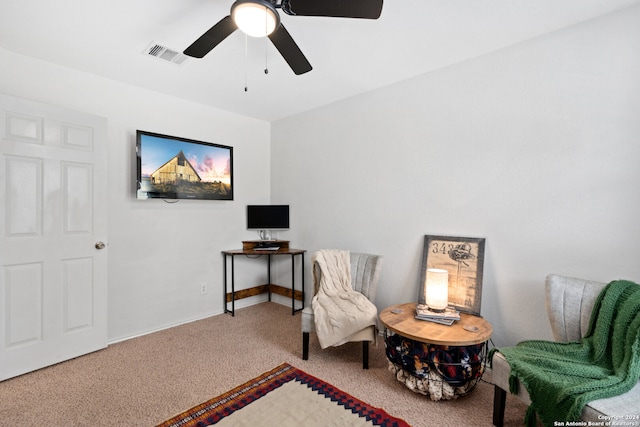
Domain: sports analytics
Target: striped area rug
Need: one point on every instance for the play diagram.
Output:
(283, 397)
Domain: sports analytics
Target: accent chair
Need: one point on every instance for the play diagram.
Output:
(365, 273)
(569, 303)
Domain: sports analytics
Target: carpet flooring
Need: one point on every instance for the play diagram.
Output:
(146, 380)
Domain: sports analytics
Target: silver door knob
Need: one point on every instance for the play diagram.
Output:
(100, 245)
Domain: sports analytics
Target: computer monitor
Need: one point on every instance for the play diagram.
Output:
(266, 218)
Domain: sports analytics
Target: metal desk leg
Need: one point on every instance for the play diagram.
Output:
(269, 274)
(233, 287)
(224, 269)
(293, 284)
(233, 293)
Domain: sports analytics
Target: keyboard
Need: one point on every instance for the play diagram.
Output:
(268, 248)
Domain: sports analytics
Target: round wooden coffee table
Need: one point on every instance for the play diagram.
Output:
(470, 330)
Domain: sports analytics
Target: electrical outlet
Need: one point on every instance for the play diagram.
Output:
(203, 288)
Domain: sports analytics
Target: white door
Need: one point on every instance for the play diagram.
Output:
(53, 277)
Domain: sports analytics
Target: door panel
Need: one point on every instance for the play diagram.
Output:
(78, 298)
(24, 195)
(77, 188)
(53, 280)
(23, 304)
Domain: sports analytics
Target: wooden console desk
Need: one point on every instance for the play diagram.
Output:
(250, 250)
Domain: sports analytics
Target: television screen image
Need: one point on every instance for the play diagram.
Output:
(171, 167)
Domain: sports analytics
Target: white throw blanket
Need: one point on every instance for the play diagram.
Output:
(339, 311)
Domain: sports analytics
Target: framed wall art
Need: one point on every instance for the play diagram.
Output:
(463, 258)
(171, 167)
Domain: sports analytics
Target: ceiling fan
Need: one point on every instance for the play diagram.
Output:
(260, 18)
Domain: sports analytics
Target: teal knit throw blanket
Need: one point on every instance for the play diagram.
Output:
(562, 378)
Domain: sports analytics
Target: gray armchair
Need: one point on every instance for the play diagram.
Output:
(365, 272)
(569, 303)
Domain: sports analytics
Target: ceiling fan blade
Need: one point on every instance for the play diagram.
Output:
(367, 9)
(290, 51)
(211, 38)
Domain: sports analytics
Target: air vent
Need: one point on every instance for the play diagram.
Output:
(164, 53)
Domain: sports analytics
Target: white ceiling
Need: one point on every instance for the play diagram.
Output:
(349, 56)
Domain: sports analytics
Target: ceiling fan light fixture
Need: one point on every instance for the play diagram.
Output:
(256, 18)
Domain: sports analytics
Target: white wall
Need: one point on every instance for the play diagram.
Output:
(535, 147)
(150, 287)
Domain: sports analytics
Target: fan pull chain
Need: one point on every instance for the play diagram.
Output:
(266, 45)
(266, 57)
(246, 62)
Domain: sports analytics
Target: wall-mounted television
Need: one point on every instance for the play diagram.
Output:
(265, 218)
(171, 167)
